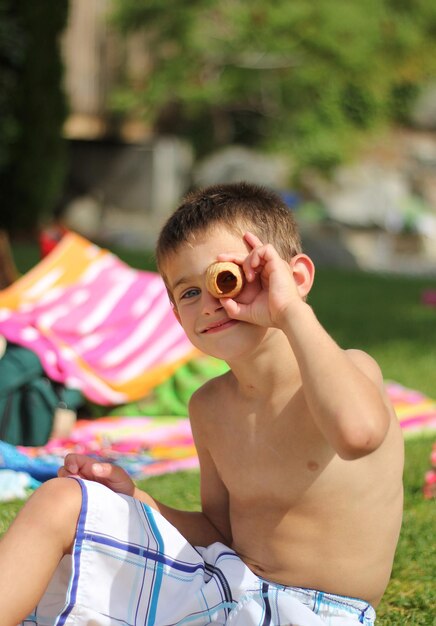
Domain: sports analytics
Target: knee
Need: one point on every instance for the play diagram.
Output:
(62, 487)
(61, 493)
(60, 501)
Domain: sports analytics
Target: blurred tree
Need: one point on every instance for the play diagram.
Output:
(32, 110)
(303, 76)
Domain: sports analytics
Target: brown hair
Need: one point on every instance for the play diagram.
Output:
(238, 207)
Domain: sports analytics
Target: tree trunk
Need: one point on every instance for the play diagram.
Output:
(8, 271)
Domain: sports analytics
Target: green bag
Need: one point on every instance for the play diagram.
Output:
(29, 399)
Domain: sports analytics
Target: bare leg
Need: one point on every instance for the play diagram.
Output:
(42, 533)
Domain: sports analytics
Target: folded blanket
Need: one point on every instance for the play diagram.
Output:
(96, 324)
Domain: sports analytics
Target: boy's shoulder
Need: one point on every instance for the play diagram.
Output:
(211, 396)
(212, 388)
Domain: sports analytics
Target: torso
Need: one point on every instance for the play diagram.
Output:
(299, 514)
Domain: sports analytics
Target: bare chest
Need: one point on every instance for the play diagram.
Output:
(275, 457)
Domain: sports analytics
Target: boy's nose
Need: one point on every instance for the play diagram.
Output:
(209, 304)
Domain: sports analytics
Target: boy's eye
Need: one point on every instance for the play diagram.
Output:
(190, 293)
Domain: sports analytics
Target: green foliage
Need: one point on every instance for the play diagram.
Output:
(32, 110)
(11, 58)
(306, 77)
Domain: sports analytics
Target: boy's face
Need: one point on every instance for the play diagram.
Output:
(204, 320)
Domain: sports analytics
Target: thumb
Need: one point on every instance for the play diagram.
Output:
(236, 310)
(231, 307)
(114, 477)
(103, 470)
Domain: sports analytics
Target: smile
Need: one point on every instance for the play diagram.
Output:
(219, 326)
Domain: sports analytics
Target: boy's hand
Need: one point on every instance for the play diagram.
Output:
(112, 476)
(276, 290)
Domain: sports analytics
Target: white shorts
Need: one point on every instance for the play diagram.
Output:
(131, 567)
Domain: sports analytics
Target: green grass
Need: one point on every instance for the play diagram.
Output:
(384, 316)
(410, 597)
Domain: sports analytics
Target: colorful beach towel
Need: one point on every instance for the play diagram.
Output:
(143, 446)
(149, 446)
(96, 324)
(416, 412)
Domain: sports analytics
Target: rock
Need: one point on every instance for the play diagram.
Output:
(84, 215)
(363, 194)
(236, 163)
(424, 111)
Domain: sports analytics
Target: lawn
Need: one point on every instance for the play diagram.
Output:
(384, 316)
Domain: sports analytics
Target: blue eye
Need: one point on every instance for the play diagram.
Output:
(190, 293)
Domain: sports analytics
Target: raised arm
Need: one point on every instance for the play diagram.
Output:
(343, 389)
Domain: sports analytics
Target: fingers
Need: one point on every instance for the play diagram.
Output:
(103, 470)
(236, 310)
(250, 263)
(243, 261)
(71, 466)
(73, 463)
(253, 262)
(84, 466)
(252, 240)
(232, 308)
(108, 474)
(252, 313)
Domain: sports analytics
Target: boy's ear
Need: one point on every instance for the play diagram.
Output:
(304, 273)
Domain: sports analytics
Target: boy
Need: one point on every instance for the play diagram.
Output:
(301, 461)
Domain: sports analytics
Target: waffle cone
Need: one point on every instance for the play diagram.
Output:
(224, 279)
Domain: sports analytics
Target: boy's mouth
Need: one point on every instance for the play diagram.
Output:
(218, 326)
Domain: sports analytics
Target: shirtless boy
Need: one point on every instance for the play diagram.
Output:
(301, 460)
